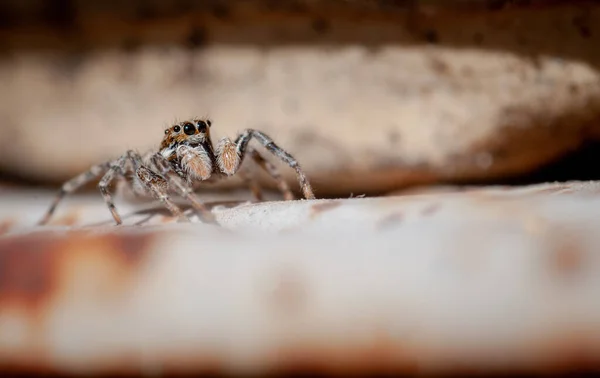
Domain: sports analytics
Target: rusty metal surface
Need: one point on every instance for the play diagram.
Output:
(481, 281)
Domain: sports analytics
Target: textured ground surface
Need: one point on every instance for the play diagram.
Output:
(484, 280)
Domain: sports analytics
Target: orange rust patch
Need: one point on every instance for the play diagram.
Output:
(569, 350)
(198, 362)
(6, 225)
(131, 247)
(290, 293)
(390, 220)
(379, 354)
(568, 258)
(31, 266)
(324, 206)
(27, 266)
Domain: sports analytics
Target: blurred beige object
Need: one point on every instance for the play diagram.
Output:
(494, 280)
(367, 102)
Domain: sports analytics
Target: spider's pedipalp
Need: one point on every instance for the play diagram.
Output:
(227, 156)
(195, 161)
(72, 185)
(269, 144)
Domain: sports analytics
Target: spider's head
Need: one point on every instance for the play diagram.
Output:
(191, 132)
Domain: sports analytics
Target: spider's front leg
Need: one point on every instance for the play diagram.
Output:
(184, 189)
(270, 168)
(241, 144)
(156, 184)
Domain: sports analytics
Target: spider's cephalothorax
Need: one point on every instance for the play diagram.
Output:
(186, 156)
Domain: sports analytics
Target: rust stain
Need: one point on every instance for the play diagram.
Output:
(390, 220)
(290, 295)
(6, 225)
(430, 209)
(570, 350)
(203, 363)
(379, 354)
(31, 266)
(383, 354)
(131, 247)
(568, 258)
(27, 267)
(37, 269)
(323, 207)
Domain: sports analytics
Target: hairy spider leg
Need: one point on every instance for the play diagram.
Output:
(165, 168)
(242, 143)
(116, 167)
(272, 170)
(156, 184)
(72, 185)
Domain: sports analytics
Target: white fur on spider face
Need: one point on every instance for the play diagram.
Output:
(168, 152)
(196, 139)
(191, 140)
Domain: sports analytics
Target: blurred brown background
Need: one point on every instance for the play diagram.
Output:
(370, 96)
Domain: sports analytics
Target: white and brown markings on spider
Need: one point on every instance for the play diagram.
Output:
(186, 156)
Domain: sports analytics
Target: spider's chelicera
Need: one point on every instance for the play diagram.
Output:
(186, 156)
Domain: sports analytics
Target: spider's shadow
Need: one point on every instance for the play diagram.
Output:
(149, 213)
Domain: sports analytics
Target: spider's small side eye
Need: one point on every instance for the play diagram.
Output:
(189, 129)
(202, 126)
(208, 121)
(166, 131)
(177, 129)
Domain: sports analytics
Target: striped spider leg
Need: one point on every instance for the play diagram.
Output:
(145, 182)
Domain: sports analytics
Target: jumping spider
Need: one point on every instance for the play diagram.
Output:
(186, 157)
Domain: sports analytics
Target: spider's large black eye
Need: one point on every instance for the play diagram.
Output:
(177, 129)
(202, 126)
(189, 129)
